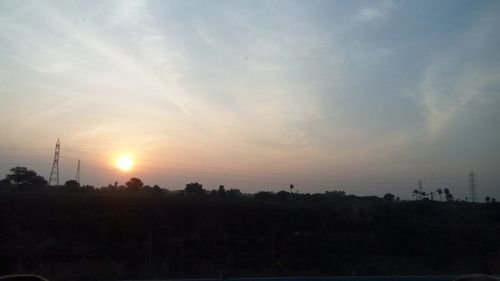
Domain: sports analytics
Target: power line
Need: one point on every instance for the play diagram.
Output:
(233, 174)
(241, 174)
(194, 168)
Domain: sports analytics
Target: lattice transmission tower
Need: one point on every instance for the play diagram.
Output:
(54, 173)
(472, 186)
(77, 177)
(420, 189)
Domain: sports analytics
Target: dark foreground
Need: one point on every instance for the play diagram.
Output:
(335, 278)
(474, 277)
(113, 236)
(339, 278)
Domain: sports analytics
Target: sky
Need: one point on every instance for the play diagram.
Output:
(362, 96)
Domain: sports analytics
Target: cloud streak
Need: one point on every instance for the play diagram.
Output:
(348, 87)
(457, 76)
(375, 13)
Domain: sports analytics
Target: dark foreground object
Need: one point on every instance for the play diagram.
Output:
(337, 278)
(474, 277)
(22, 277)
(105, 236)
(471, 277)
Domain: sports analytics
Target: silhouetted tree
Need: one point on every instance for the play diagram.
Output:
(432, 195)
(110, 187)
(291, 188)
(265, 195)
(156, 188)
(88, 187)
(389, 197)
(493, 200)
(416, 193)
(282, 194)
(440, 192)
(72, 184)
(335, 193)
(4, 183)
(221, 191)
(194, 188)
(134, 184)
(234, 192)
(23, 176)
(449, 196)
(487, 199)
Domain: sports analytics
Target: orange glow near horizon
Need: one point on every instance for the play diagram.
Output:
(124, 163)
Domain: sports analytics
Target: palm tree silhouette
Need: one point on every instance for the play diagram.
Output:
(440, 191)
(449, 196)
(432, 195)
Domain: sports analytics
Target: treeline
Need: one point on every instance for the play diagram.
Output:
(24, 179)
(137, 232)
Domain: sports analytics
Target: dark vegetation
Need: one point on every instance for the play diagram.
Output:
(134, 231)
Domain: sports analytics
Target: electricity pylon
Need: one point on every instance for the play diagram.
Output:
(77, 178)
(420, 189)
(472, 186)
(54, 173)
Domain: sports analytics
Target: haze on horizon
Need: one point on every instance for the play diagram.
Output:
(362, 96)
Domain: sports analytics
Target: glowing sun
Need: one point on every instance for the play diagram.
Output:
(124, 163)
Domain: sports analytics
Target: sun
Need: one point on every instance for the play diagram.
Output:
(124, 163)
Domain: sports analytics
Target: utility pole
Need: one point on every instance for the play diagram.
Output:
(472, 186)
(77, 178)
(54, 173)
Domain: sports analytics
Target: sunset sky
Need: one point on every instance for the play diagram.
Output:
(362, 96)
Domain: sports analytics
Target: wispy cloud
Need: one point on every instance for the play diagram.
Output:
(317, 85)
(375, 12)
(458, 75)
(88, 50)
(130, 12)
